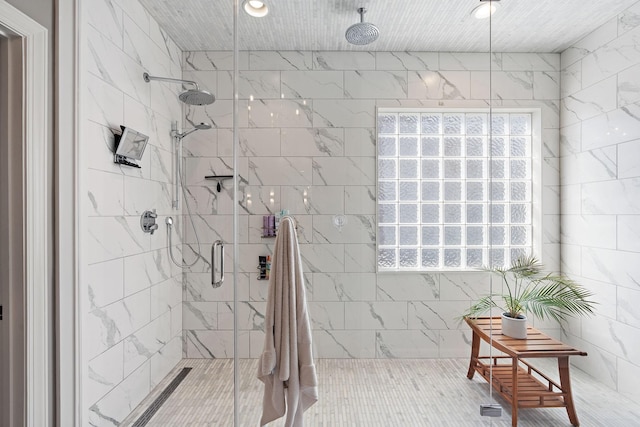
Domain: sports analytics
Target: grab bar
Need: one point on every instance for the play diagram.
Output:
(217, 244)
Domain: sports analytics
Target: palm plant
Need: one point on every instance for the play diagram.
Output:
(529, 289)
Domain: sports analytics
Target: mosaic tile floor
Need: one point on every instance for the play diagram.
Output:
(376, 392)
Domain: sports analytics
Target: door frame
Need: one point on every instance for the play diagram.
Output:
(35, 234)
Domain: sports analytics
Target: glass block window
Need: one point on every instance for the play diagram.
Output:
(450, 196)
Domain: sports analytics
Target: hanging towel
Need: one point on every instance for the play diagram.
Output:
(286, 366)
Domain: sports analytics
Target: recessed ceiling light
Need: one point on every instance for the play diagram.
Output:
(486, 9)
(255, 8)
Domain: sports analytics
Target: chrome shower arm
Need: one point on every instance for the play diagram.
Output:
(147, 78)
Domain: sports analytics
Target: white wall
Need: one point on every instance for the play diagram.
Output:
(131, 293)
(600, 177)
(328, 151)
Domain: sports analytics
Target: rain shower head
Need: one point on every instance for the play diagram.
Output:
(195, 96)
(363, 32)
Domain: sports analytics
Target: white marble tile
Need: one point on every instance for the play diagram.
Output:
(144, 270)
(213, 60)
(357, 229)
(260, 199)
(531, 62)
(140, 346)
(359, 257)
(251, 85)
(281, 60)
(107, 326)
(99, 148)
(140, 195)
(165, 360)
(406, 60)
(350, 344)
(344, 286)
(166, 44)
(451, 61)
(464, 286)
(439, 85)
(611, 58)
(360, 199)
(327, 315)
(105, 283)
(629, 19)
(627, 303)
(104, 103)
(590, 166)
(628, 154)
(106, 17)
(304, 229)
(139, 47)
(505, 84)
(280, 171)
(122, 400)
(407, 287)
(259, 142)
(628, 374)
(322, 258)
(280, 113)
(551, 228)
(104, 373)
(629, 233)
(611, 266)
(589, 43)
(611, 197)
(454, 343)
(571, 79)
(570, 139)
(600, 363)
(616, 126)
(597, 231)
(344, 113)
(197, 168)
(616, 337)
(200, 315)
(136, 12)
(375, 84)
(343, 171)
(204, 144)
(344, 60)
(112, 237)
(407, 344)
(176, 321)
(208, 80)
(104, 193)
(209, 344)
(161, 164)
(606, 296)
(375, 315)
(360, 142)
(432, 315)
(219, 114)
(594, 100)
(628, 86)
(313, 199)
(312, 142)
(546, 84)
(313, 84)
(165, 296)
(198, 287)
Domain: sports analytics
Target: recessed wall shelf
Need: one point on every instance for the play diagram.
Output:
(218, 178)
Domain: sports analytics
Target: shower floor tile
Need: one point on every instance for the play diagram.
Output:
(376, 392)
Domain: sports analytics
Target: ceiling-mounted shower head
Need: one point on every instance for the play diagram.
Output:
(195, 96)
(363, 32)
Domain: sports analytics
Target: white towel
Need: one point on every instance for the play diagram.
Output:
(286, 366)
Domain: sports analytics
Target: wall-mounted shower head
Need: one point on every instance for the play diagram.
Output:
(199, 126)
(195, 96)
(363, 32)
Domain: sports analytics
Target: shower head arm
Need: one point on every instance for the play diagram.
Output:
(362, 11)
(148, 78)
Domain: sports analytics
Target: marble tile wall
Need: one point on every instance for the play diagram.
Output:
(131, 293)
(307, 144)
(600, 193)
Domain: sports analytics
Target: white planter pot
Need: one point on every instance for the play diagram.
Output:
(514, 328)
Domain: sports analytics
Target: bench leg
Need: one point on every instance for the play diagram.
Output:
(565, 383)
(475, 349)
(514, 391)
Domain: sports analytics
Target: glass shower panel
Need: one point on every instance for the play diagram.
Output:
(367, 189)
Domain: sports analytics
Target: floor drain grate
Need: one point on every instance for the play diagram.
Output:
(155, 406)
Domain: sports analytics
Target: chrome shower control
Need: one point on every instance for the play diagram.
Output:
(148, 221)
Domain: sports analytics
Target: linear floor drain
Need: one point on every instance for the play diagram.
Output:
(155, 406)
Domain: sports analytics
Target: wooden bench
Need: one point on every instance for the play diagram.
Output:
(517, 381)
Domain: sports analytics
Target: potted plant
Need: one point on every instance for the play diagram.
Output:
(528, 289)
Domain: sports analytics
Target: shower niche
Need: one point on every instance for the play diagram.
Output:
(129, 146)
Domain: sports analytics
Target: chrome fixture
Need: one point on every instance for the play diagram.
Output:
(363, 32)
(195, 96)
(217, 244)
(148, 221)
(485, 9)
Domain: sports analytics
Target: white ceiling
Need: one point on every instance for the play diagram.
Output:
(405, 25)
